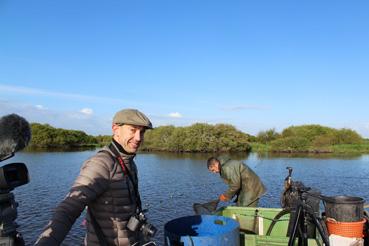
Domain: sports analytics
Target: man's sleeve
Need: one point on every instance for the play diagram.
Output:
(234, 183)
(92, 181)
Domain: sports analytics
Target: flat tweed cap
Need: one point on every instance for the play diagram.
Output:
(132, 117)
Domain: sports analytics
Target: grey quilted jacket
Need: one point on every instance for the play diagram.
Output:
(108, 193)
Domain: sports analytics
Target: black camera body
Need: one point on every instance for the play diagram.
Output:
(11, 175)
(15, 134)
(138, 222)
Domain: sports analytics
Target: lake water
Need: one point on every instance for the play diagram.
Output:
(171, 183)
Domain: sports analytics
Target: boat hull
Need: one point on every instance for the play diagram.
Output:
(255, 224)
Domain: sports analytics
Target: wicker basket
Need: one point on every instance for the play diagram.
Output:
(346, 229)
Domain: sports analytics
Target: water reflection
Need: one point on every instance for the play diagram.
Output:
(196, 156)
(59, 149)
(351, 156)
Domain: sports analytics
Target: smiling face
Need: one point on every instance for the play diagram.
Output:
(129, 137)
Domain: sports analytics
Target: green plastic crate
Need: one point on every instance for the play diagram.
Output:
(255, 222)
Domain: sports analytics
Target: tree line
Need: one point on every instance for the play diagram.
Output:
(199, 137)
(309, 138)
(202, 137)
(46, 136)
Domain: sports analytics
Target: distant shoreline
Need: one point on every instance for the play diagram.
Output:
(333, 149)
(218, 138)
(255, 148)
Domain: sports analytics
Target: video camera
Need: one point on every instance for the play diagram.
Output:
(13, 175)
(15, 134)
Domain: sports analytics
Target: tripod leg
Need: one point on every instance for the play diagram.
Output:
(303, 226)
(320, 229)
(18, 240)
(296, 221)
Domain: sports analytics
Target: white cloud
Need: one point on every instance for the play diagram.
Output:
(175, 115)
(87, 111)
(75, 120)
(40, 107)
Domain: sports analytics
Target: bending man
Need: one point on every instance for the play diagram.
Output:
(242, 181)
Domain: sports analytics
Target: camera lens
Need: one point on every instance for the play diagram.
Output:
(149, 229)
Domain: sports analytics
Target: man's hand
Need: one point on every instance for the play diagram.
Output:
(223, 198)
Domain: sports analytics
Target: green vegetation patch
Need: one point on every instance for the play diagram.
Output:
(46, 136)
(199, 137)
(312, 139)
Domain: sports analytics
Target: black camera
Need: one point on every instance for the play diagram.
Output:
(15, 134)
(138, 222)
(13, 175)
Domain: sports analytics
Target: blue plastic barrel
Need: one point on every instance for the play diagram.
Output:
(202, 230)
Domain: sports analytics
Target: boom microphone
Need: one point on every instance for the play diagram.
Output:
(15, 134)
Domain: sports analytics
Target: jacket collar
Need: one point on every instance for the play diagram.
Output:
(222, 159)
(124, 154)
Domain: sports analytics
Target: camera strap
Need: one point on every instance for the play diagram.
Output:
(126, 171)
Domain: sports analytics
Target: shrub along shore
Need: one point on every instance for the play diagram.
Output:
(201, 137)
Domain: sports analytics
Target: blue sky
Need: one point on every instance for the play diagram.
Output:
(253, 64)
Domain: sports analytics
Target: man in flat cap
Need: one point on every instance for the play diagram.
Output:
(108, 185)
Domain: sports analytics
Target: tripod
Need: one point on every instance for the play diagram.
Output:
(304, 212)
(8, 213)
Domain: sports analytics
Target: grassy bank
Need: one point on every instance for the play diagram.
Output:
(352, 148)
(362, 148)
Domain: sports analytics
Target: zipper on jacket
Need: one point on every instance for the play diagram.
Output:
(129, 190)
